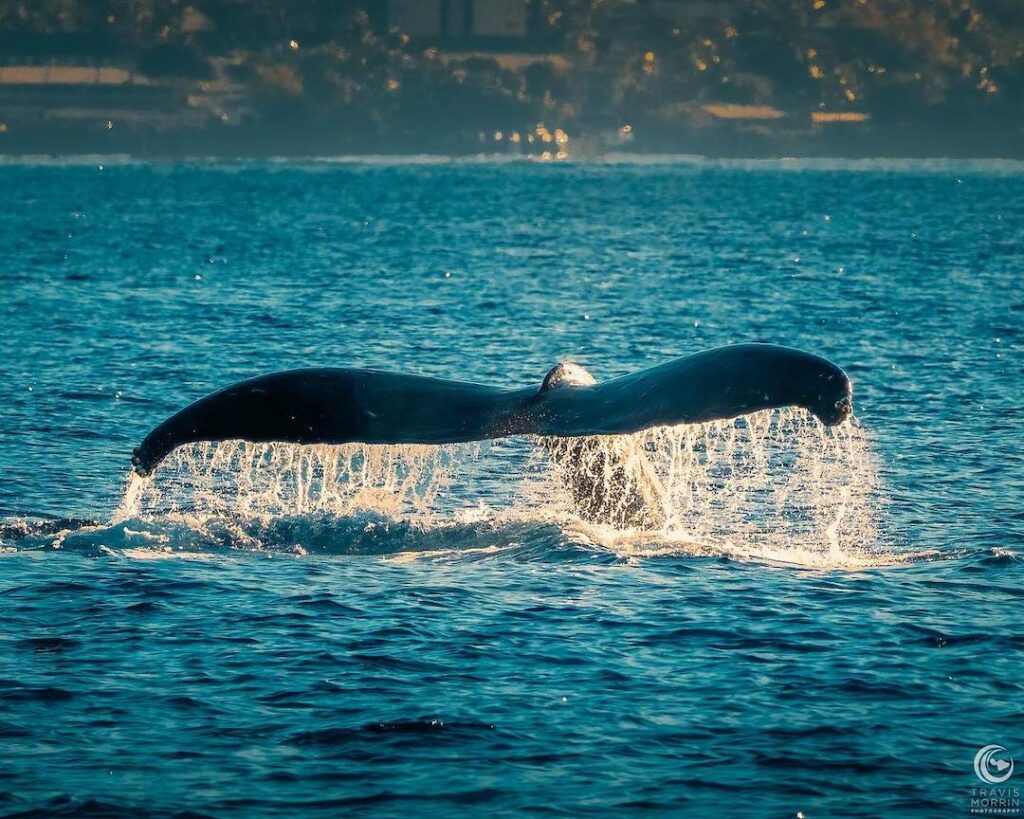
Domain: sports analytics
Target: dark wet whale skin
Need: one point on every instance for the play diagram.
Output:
(337, 405)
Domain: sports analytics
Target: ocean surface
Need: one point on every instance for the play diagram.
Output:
(828, 623)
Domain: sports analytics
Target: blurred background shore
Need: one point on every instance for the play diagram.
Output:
(543, 79)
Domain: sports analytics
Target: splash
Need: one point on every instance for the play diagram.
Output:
(265, 481)
(776, 485)
(776, 482)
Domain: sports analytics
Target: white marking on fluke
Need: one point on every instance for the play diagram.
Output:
(567, 374)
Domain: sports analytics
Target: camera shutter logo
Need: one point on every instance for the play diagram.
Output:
(990, 767)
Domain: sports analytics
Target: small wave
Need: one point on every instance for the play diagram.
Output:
(65, 806)
(48, 645)
(634, 546)
(430, 729)
(27, 693)
(21, 534)
(366, 533)
(505, 536)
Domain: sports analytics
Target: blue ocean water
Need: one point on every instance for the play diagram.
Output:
(491, 657)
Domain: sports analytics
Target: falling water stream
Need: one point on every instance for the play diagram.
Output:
(774, 485)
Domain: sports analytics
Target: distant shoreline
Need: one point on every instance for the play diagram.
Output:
(999, 140)
(77, 159)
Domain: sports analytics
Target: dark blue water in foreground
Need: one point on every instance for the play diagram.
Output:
(539, 671)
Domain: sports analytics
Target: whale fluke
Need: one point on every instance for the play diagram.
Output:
(339, 406)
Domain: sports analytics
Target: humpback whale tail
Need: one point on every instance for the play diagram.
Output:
(338, 406)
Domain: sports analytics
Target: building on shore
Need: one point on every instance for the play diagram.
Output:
(471, 24)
